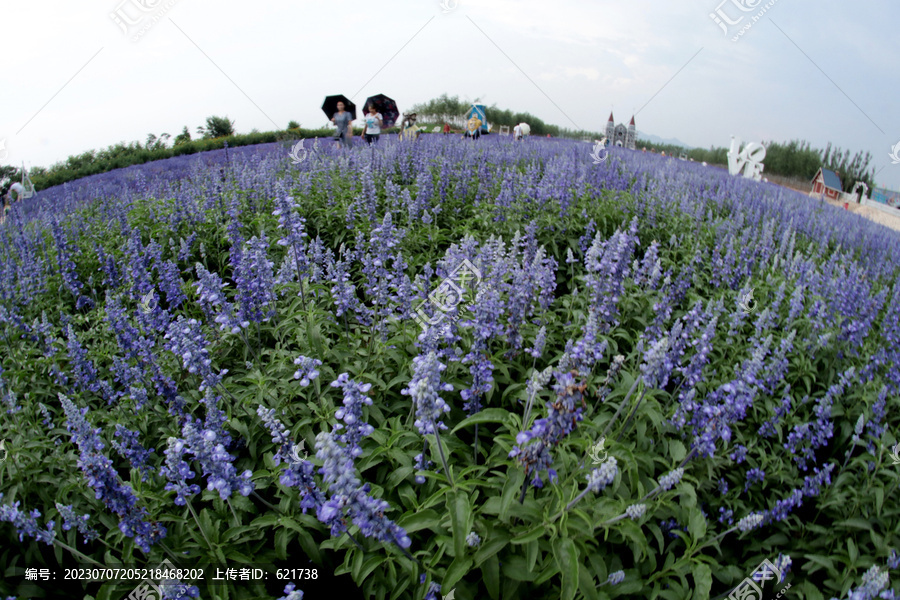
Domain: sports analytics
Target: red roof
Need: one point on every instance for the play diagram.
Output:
(610, 118)
(632, 120)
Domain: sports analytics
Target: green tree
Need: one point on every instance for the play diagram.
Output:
(183, 137)
(293, 125)
(216, 127)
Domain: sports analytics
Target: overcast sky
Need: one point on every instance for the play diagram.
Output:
(822, 71)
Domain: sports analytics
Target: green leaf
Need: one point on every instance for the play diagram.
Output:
(511, 489)
(879, 499)
(281, 542)
(587, 585)
(457, 570)
(537, 534)
(491, 546)
(702, 581)
(488, 415)
(696, 524)
(515, 568)
(677, 450)
(460, 511)
(106, 591)
(491, 572)
(566, 556)
(424, 519)
(851, 548)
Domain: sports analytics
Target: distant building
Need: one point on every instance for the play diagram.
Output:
(620, 135)
(826, 183)
(886, 196)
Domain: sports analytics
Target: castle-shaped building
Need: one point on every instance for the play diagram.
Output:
(620, 135)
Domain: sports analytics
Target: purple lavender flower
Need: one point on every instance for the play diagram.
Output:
(616, 577)
(306, 371)
(563, 414)
(354, 427)
(255, 280)
(291, 593)
(754, 475)
(186, 340)
(132, 450)
(350, 497)
(423, 390)
(26, 523)
(70, 519)
(177, 471)
(214, 302)
(671, 479)
(101, 476)
(636, 511)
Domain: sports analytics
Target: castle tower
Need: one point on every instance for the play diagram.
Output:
(611, 129)
(631, 137)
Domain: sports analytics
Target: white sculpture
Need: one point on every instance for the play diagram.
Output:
(749, 159)
(852, 197)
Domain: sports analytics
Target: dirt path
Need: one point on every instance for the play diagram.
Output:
(871, 213)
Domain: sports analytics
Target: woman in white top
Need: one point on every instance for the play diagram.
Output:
(374, 123)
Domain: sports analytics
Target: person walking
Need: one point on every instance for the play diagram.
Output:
(374, 122)
(15, 194)
(343, 120)
(517, 133)
(446, 128)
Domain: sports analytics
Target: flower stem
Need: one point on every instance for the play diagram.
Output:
(631, 416)
(77, 553)
(621, 406)
(196, 520)
(440, 446)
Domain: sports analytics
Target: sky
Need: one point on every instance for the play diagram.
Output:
(699, 71)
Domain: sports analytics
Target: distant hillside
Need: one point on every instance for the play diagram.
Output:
(655, 139)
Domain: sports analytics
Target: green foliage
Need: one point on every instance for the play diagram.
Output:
(183, 137)
(216, 127)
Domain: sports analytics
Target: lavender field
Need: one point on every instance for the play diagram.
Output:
(652, 378)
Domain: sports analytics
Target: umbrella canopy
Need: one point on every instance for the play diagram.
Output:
(329, 107)
(385, 106)
(526, 129)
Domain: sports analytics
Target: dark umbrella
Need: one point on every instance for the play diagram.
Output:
(386, 106)
(330, 106)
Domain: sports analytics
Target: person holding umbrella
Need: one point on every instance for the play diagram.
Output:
(374, 122)
(342, 113)
(343, 119)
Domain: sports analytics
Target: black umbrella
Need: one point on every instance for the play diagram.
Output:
(330, 106)
(386, 106)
